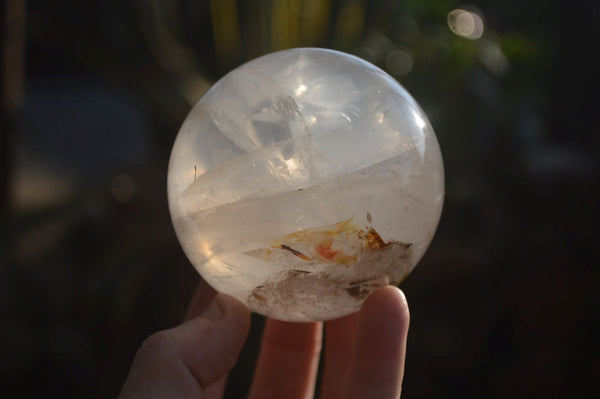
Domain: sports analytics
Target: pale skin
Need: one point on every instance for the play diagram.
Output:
(364, 352)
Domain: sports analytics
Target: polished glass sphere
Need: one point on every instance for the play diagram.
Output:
(303, 181)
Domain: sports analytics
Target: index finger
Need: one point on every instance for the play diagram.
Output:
(288, 360)
(380, 348)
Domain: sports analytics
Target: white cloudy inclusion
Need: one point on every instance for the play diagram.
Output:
(303, 181)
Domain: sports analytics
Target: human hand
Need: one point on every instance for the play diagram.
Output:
(364, 352)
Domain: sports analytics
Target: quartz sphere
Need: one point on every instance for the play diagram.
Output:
(303, 181)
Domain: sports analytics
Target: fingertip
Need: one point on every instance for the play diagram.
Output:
(234, 310)
(387, 302)
(229, 303)
(201, 299)
(384, 317)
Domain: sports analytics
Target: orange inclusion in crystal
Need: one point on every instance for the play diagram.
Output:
(325, 251)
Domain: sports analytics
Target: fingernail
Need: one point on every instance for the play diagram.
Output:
(213, 312)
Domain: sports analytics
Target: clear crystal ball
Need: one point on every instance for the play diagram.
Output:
(303, 181)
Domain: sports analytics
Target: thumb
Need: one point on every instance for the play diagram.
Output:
(184, 361)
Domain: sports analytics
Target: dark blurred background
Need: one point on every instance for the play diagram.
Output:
(93, 93)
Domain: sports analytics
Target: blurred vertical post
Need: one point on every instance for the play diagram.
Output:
(12, 64)
(226, 30)
(298, 23)
(284, 24)
(350, 23)
(314, 22)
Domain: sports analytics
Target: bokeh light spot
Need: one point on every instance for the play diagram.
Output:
(465, 23)
(399, 62)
